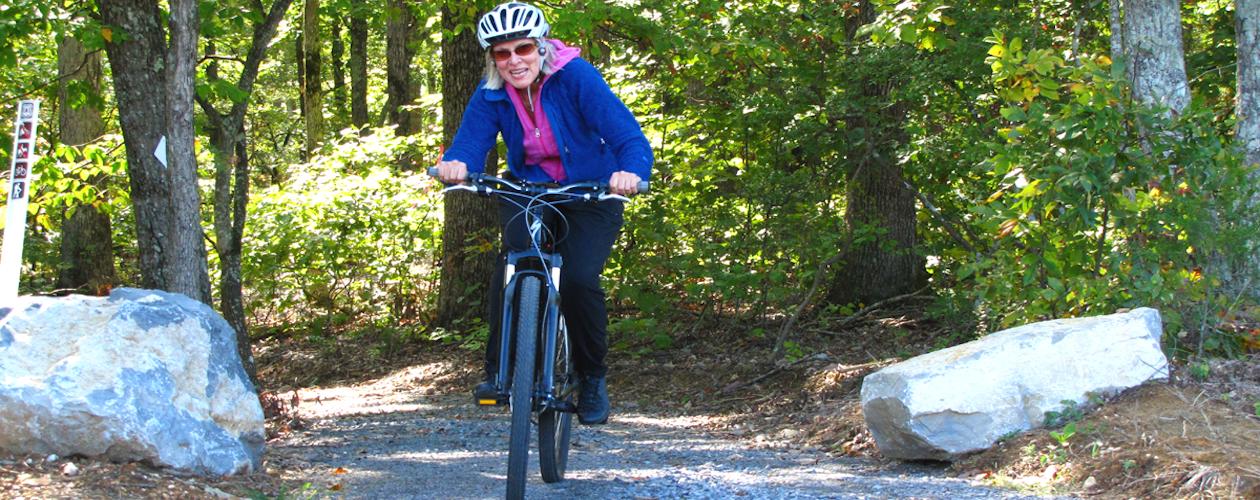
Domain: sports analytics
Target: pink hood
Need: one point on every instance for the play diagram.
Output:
(563, 54)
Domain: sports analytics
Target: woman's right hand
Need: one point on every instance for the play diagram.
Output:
(452, 172)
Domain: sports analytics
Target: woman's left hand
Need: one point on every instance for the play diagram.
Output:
(623, 183)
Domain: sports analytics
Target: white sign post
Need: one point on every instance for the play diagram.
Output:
(19, 193)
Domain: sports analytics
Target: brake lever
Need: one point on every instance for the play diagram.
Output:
(458, 187)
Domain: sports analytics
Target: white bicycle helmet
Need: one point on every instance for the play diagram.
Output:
(511, 21)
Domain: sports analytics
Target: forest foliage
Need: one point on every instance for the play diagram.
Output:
(1040, 193)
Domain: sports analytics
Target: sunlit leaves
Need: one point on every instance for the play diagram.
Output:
(920, 24)
(1089, 215)
(347, 235)
(1021, 75)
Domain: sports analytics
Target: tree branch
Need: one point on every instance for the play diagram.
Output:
(866, 311)
(57, 80)
(809, 296)
(936, 213)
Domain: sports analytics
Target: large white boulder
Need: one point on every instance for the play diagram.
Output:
(138, 376)
(963, 399)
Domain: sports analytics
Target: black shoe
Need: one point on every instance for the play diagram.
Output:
(593, 404)
(486, 391)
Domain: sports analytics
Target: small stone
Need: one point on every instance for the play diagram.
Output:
(69, 469)
(1090, 484)
(51, 458)
(1050, 472)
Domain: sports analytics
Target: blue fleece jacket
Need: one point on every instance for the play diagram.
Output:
(595, 132)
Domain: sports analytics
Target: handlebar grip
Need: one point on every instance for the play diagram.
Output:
(643, 187)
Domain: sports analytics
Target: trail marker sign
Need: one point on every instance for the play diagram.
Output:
(24, 134)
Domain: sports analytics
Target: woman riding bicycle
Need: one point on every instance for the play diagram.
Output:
(561, 123)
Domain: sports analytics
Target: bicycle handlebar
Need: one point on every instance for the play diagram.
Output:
(478, 186)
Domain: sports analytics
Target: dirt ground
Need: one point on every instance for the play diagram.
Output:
(1197, 436)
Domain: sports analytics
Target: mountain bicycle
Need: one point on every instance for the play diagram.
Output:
(531, 318)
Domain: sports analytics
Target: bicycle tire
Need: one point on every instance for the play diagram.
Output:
(526, 335)
(555, 427)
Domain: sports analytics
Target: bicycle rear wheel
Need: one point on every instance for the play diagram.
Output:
(522, 384)
(555, 427)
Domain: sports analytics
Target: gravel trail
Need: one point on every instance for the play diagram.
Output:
(380, 442)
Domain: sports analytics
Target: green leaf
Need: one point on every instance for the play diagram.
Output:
(230, 91)
(1013, 113)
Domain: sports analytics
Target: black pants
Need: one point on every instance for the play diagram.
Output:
(588, 238)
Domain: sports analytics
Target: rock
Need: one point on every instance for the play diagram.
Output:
(138, 376)
(947, 403)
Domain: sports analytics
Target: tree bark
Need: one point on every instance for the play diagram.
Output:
(358, 64)
(471, 221)
(1156, 59)
(338, 57)
(400, 31)
(1247, 109)
(312, 90)
(877, 199)
(231, 183)
(137, 63)
(1117, 29)
(87, 245)
(187, 266)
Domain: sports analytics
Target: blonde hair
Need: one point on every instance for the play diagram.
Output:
(494, 80)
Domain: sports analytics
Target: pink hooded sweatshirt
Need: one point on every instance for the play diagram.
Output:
(540, 141)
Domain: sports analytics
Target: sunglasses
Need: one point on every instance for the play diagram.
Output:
(522, 50)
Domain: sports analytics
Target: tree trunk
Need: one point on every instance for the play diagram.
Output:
(358, 64)
(877, 200)
(400, 28)
(312, 90)
(137, 63)
(186, 268)
(231, 184)
(1157, 67)
(1117, 29)
(1247, 110)
(471, 221)
(1247, 14)
(338, 57)
(87, 245)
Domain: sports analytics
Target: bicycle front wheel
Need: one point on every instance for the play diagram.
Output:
(555, 426)
(526, 335)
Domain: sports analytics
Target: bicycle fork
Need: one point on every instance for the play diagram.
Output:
(543, 393)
